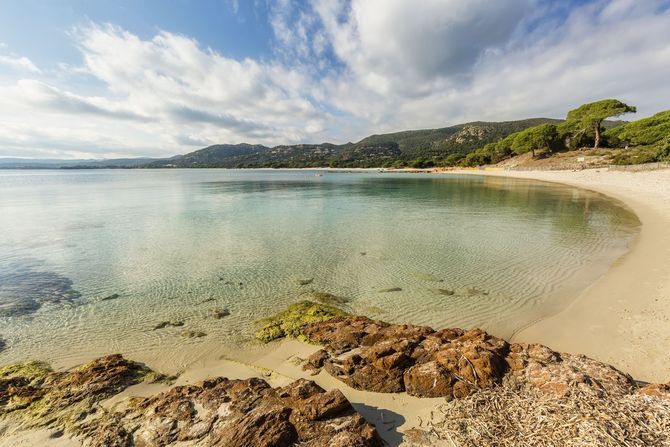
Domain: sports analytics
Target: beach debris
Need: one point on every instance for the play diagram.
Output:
(219, 313)
(447, 292)
(392, 289)
(506, 417)
(290, 322)
(113, 296)
(305, 282)
(193, 334)
(164, 324)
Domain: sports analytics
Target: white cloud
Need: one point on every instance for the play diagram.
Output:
(341, 70)
(18, 63)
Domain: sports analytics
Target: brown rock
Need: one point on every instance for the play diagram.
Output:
(556, 374)
(315, 361)
(428, 380)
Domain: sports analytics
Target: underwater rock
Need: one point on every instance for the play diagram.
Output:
(3, 344)
(447, 292)
(328, 298)
(164, 324)
(392, 289)
(193, 334)
(208, 300)
(305, 282)
(24, 288)
(111, 297)
(219, 313)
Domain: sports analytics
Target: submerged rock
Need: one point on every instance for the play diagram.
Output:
(164, 324)
(3, 344)
(219, 313)
(328, 298)
(305, 282)
(392, 289)
(193, 334)
(24, 288)
(447, 292)
(111, 297)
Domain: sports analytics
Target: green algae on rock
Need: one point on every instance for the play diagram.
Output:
(35, 396)
(292, 321)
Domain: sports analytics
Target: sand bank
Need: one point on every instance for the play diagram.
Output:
(624, 318)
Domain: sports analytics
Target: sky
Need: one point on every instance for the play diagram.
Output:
(130, 78)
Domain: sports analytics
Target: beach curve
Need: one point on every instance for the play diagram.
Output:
(624, 317)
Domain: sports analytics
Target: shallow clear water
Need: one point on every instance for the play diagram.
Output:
(175, 244)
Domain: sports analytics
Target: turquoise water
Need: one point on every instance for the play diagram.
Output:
(176, 244)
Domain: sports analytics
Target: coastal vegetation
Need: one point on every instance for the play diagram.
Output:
(643, 141)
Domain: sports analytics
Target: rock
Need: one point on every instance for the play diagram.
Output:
(219, 411)
(3, 344)
(111, 297)
(328, 298)
(556, 374)
(164, 324)
(40, 397)
(656, 389)
(247, 413)
(305, 282)
(207, 300)
(363, 253)
(193, 334)
(292, 321)
(428, 380)
(316, 361)
(447, 292)
(392, 289)
(219, 313)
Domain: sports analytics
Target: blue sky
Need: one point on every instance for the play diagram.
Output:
(91, 79)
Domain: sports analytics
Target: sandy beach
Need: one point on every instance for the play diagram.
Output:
(624, 318)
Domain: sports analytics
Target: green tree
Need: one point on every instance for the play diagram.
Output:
(533, 138)
(591, 116)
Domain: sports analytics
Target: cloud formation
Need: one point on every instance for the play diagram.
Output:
(340, 70)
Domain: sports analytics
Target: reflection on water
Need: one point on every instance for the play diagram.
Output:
(178, 244)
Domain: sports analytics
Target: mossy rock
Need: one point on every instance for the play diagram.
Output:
(292, 321)
(28, 370)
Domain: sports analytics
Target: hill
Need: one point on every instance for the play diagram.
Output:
(429, 147)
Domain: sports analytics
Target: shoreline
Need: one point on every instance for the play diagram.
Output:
(624, 317)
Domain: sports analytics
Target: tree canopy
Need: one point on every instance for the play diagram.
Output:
(591, 116)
